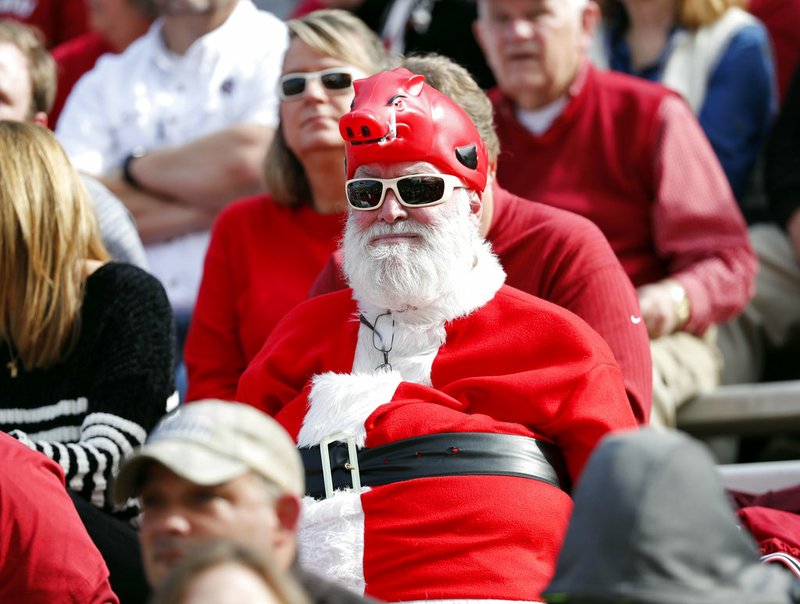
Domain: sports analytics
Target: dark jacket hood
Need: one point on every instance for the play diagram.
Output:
(652, 524)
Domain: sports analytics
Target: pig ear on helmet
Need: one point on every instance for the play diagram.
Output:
(468, 156)
(414, 84)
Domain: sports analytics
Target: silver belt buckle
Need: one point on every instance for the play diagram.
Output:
(352, 461)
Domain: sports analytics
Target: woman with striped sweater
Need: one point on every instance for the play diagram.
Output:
(86, 345)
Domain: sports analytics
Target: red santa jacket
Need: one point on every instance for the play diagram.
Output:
(497, 361)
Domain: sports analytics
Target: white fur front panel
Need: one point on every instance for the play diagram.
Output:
(331, 538)
(341, 402)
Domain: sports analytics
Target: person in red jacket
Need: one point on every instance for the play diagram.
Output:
(46, 552)
(630, 156)
(442, 414)
(547, 252)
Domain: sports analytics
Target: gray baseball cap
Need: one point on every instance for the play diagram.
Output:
(210, 442)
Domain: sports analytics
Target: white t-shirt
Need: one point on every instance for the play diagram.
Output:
(538, 121)
(149, 98)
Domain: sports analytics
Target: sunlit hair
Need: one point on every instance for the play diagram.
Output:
(219, 553)
(343, 36)
(691, 14)
(48, 230)
(453, 80)
(41, 65)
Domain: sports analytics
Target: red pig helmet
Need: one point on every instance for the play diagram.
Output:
(397, 117)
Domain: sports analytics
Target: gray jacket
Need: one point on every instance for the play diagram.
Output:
(652, 524)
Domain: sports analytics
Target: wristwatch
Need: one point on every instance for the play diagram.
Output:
(126, 167)
(680, 301)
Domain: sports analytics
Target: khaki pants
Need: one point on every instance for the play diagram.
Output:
(684, 366)
(772, 319)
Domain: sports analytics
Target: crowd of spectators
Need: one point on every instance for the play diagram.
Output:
(376, 300)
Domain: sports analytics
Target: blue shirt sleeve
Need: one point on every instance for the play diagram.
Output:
(740, 103)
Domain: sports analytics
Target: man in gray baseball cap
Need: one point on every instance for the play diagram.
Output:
(219, 470)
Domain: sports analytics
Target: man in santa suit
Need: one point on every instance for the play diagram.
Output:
(441, 414)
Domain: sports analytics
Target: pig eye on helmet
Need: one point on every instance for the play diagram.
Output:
(398, 102)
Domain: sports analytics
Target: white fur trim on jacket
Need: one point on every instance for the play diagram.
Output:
(341, 402)
(331, 538)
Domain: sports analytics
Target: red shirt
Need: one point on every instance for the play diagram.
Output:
(782, 20)
(630, 156)
(564, 259)
(260, 263)
(74, 58)
(58, 20)
(46, 555)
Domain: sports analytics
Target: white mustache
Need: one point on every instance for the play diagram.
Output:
(401, 227)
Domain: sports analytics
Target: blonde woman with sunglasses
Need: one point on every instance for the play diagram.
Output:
(266, 251)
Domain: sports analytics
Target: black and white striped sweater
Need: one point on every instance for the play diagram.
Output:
(93, 409)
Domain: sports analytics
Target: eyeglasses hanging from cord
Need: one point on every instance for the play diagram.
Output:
(377, 338)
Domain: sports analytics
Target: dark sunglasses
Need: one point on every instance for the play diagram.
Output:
(413, 191)
(337, 80)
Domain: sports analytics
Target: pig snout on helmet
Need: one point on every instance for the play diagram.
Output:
(363, 126)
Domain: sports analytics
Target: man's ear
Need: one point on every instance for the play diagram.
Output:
(287, 509)
(475, 206)
(40, 119)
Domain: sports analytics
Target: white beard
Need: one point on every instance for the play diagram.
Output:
(413, 274)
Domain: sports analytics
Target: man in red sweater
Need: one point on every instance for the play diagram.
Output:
(432, 402)
(547, 252)
(630, 156)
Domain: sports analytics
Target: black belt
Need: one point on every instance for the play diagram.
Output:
(448, 454)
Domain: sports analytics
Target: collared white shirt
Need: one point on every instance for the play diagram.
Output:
(148, 98)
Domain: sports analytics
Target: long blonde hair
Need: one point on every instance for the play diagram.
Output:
(694, 14)
(48, 230)
(691, 14)
(335, 33)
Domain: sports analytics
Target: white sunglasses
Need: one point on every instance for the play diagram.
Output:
(336, 80)
(412, 191)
